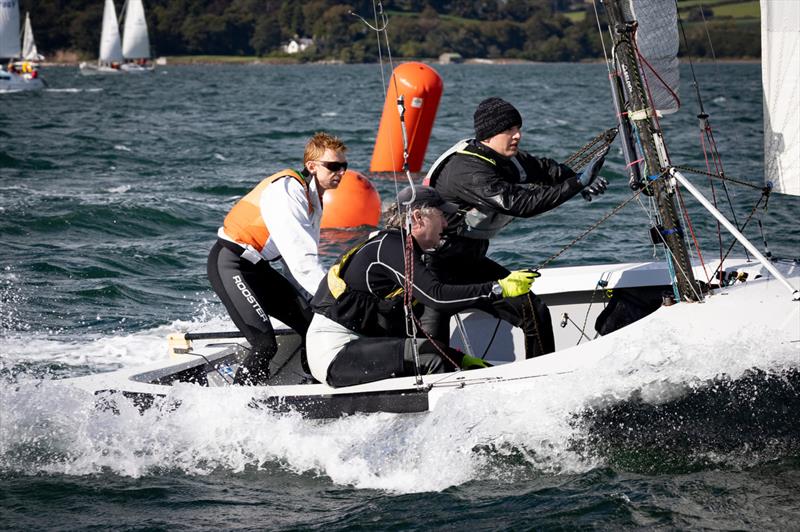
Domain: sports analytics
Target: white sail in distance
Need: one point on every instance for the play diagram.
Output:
(135, 41)
(657, 40)
(9, 29)
(780, 73)
(29, 51)
(110, 49)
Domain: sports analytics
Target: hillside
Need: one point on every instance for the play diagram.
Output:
(539, 30)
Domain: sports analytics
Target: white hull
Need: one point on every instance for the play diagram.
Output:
(19, 82)
(134, 68)
(760, 305)
(93, 69)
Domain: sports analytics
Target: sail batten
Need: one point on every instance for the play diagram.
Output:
(9, 29)
(780, 71)
(135, 40)
(110, 49)
(657, 40)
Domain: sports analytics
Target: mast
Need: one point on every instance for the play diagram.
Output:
(641, 116)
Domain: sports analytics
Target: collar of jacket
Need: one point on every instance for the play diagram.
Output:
(479, 148)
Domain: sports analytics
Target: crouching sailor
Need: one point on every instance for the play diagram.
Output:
(278, 221)
(358, 332)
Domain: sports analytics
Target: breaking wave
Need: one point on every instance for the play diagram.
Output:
(676, 411)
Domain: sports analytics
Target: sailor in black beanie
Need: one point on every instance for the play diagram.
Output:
(492, 182)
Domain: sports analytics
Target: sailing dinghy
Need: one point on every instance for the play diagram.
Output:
(110, 58)
(135, 40)
(751, 300)
(22, 70)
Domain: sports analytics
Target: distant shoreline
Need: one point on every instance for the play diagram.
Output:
(211, 60)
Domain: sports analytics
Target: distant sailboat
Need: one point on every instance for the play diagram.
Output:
(110, 58)
(135, 39)
(21, 72)
(29, 50)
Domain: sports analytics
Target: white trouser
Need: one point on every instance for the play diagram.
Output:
(324, 339)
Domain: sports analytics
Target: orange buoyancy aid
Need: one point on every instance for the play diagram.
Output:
(244, 223)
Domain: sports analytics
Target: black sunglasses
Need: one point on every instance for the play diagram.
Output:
(334, 166)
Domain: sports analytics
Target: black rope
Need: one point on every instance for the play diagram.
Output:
(592, 227)
(528, 307)
(491, 340)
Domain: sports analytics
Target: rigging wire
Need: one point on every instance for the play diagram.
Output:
(586, 232)
(747, 221)
(671, 257)
(651, 213)
(659, 78)
(672, 262)
(602, 40)
(707, 133)
(694, 236)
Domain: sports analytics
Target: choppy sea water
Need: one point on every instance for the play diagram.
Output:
(112, 190)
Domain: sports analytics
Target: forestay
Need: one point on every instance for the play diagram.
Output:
(9, 29)
(657, 40)
(780, 71)
(135, 41)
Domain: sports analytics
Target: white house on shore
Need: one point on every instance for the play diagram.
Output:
(297, 45)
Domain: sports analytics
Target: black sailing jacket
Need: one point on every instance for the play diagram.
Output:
(491, 190)
(376, 271)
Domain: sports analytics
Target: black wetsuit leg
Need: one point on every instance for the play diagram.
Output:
(529, 314)
(469, 267)
(372, 359)
(251, 294)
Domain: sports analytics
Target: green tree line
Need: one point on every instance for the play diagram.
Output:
(538, 30)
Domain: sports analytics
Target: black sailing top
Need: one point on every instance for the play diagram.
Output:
(372, 305)
(491, 190)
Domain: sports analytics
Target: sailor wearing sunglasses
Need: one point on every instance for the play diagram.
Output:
(276, 222)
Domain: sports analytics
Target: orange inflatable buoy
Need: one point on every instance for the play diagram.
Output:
(353, 203)
(421, 88)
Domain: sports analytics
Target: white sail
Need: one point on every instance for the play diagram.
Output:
(9, 29)
(135, 42)
(110, 49)
(780, 72)
(658, 41)
(29, 51)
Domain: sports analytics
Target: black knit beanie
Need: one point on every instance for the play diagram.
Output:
(493, 116)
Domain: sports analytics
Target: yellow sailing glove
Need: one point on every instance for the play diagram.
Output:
(470, 362)
(518, 283)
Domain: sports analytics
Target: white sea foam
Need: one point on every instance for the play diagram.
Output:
(103, 351)
(121, 147)
(48, 427)
(73, 90)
